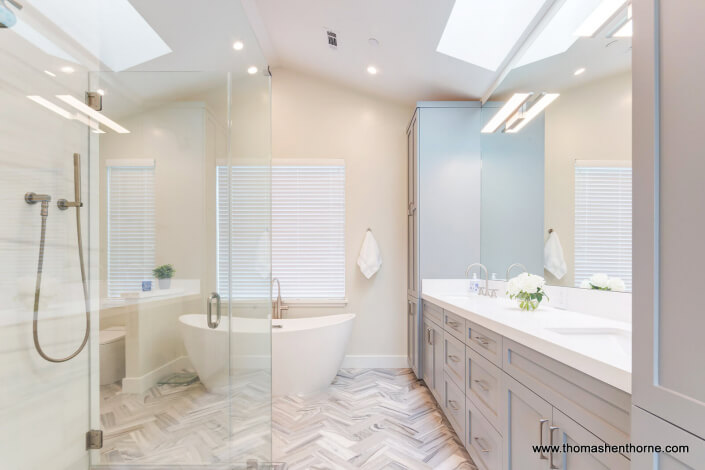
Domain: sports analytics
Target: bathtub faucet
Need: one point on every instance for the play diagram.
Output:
(278, 306)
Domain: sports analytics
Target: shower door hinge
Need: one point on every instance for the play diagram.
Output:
(94, 439)
(94, 100)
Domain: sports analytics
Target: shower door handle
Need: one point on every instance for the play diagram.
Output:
(209, 310)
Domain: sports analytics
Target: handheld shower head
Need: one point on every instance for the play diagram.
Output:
(8, 19)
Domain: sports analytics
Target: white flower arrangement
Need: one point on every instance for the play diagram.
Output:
(527, 289)
(600, 281)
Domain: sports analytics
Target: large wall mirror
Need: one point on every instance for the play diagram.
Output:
(556, 156)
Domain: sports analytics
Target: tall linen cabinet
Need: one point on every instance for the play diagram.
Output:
(668, 348)
(444, 175)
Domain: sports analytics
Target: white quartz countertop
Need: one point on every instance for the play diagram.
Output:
(599, 347)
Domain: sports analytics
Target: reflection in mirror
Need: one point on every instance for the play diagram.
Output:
(556, 176)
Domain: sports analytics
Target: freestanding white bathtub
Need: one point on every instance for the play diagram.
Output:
(306, 353)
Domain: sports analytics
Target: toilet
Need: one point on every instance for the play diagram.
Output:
(112, 355)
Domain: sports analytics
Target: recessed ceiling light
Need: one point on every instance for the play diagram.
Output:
(67, 69)
(580, 71)
(534, 111)
(100, 91)
(372, 70)
(604, 12)
(238, 45)
(92, 113)
(252, 70)
(51, 74)
(505, 112)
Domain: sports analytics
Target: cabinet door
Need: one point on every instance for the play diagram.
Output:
(412, 335)
(566, 432)
(428, 353)
(412, 212)
(526, 421)
(668, 237)
(438, 356)
(650, 430)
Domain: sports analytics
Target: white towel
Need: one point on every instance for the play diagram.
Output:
(553, 260)
(370, 258)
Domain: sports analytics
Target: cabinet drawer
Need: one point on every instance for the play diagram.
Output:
(454, 324)
(486, 342)
(433, 313)
(454, 359)
(482, 383)
(483, 442)
(454, 406)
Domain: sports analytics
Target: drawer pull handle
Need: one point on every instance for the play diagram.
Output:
(454, 324)
(541, 423)
(482, 384)
(453, 405)
(453, 358)
(483, 448)
(429, 336)
(482, 340)
(550, 433)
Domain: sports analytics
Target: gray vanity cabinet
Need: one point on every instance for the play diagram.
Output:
(432, 365)
(566, 431)
(526, 419)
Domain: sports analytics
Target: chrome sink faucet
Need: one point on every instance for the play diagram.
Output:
(515, 265)
(278, 306)
(486, 289)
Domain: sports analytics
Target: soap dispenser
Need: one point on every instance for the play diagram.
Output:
(474, 284)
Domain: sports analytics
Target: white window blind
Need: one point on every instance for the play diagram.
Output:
(603, 220)
(131, 227)
(307, 231)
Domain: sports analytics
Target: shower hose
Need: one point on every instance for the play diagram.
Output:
(40, 264)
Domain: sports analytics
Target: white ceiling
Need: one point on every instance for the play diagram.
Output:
(292, 35)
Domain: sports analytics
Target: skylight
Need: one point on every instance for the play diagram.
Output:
(40, 41)
(559, 34)
(111, 30)
(483, 32)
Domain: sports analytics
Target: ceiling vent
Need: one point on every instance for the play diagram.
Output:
(332, 39)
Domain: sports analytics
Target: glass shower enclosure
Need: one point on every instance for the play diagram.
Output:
(143, 129)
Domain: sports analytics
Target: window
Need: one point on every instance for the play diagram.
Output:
(131, 225)
(603, 220)
(307, 229)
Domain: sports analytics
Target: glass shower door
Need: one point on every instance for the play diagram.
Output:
(174, 147)
(44, 352)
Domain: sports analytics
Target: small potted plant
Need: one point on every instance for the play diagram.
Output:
(164, 273)
(528, 290)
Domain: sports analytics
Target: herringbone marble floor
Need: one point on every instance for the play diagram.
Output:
(369, 419)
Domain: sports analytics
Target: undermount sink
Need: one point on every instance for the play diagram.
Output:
(595, 337)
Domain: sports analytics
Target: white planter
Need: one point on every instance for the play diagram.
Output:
(164, 283)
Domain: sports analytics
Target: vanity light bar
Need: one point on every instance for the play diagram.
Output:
(538, 106)
(505, 112)
(602, 15)
(92, 113)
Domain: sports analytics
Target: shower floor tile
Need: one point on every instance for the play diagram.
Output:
(368, 418)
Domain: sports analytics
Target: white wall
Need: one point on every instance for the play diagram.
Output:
(590, 122)
(313, 118)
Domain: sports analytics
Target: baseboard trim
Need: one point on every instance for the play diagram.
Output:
(354, 361)
(145, 382)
